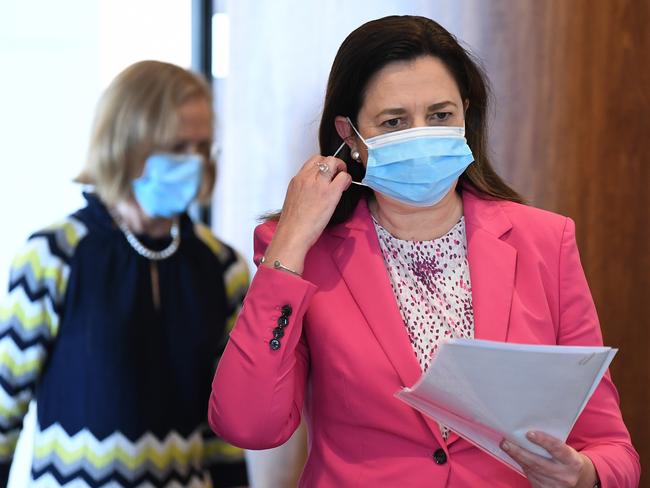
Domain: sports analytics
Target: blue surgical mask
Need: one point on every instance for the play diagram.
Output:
(168, 183)
(416, 166)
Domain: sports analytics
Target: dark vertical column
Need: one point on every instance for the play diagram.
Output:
(202, 11)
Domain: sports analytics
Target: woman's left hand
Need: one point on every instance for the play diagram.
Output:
(568, 468)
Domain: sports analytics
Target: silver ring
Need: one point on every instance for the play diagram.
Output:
(323, 168)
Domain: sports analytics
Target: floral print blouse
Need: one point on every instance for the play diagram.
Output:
(431, 283)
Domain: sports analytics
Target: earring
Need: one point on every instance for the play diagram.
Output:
(355, 155)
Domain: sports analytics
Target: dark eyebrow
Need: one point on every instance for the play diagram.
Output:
(391, 111)
(438, 106)
(430, 108)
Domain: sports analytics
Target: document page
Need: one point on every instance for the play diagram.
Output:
(486, 391)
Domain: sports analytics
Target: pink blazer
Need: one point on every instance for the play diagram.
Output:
(345, 352)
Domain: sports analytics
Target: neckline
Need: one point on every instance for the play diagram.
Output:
(454, 228)
(99, 215)
(144, 251)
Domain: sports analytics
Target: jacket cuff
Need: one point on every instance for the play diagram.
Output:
(626, 474)
(271, 317)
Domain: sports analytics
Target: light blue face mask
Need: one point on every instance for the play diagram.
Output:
(416, 166)
(168, 183)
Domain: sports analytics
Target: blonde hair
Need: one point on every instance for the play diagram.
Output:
(136, 116)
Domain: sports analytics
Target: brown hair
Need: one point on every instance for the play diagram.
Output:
(403, 38)
(136, 116)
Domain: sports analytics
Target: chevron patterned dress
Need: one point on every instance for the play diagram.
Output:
(121, 378)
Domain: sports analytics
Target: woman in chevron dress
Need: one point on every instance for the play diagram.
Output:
(115, 314)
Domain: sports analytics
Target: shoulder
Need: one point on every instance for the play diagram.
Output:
(540, 235)
(262, 237)
(62, 237)
(264, 231)
(533, 219)
(233, 263)
(546, 233)
(516, 221)
(224, 253)
(43, 263)
(53, 245)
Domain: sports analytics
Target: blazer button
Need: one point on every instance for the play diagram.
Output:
(286, 310)
(440, 457)
(283, 321)
(275, 345)
(278, 333)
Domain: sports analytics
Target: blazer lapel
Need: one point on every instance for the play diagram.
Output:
(492, 268)
(492, 264)
(360, 262)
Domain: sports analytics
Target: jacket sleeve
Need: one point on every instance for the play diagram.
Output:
(599, 432)
(258, 392)
(29, 322)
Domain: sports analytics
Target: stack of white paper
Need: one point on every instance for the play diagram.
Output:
(487, 391)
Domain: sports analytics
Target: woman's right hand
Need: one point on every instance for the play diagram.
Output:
(310, 201)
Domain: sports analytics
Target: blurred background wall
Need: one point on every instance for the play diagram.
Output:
(569, 126)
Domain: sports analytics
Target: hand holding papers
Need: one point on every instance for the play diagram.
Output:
(487, 391)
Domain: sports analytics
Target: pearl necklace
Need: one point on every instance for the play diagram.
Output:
(145, 251)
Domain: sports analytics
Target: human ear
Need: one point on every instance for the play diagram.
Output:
(344, 131)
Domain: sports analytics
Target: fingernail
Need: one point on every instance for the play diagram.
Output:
(531, 435)
(505, 445)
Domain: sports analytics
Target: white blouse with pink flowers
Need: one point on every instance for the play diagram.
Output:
(431, 283)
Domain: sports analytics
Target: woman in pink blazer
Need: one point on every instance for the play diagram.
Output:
(359, 283)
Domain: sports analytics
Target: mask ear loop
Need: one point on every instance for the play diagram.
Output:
(356, 131)
(363, 140)
(339, 149)
(343, 143)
